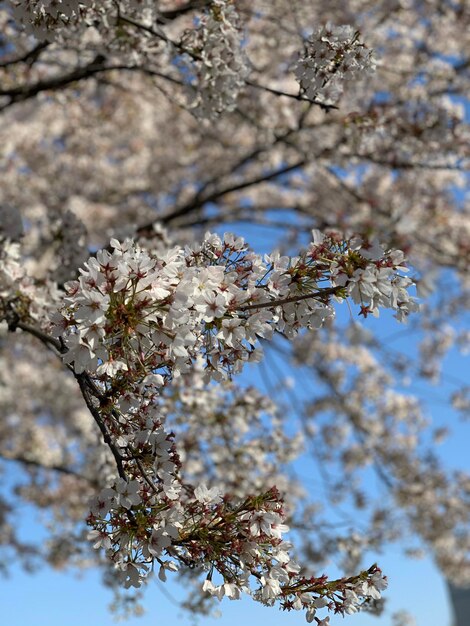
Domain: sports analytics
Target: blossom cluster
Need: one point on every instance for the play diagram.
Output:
(333, 55)
(234, 542)
(131, 313)
(378, 285)
(42, 17)
(20, 296)
(218, 58)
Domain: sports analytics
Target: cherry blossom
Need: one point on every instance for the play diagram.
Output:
(332, 55)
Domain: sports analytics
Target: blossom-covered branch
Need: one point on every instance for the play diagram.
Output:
(133, 322)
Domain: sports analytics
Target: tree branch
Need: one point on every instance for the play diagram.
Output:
(198, 201)
(84, 388)
(55, 468)
(295, 96)
(172, 14)
(98, 66)
(28, 57)
(317, 295)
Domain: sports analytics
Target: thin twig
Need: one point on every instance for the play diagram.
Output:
(317, 295)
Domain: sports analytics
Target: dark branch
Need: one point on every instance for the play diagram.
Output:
(294, 96)
(198, 200)
(53, 468)
(28, 57)
(195, 5)
(98, 66)
(85, 389)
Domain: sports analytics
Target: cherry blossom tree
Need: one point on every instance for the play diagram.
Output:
(135, 134)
